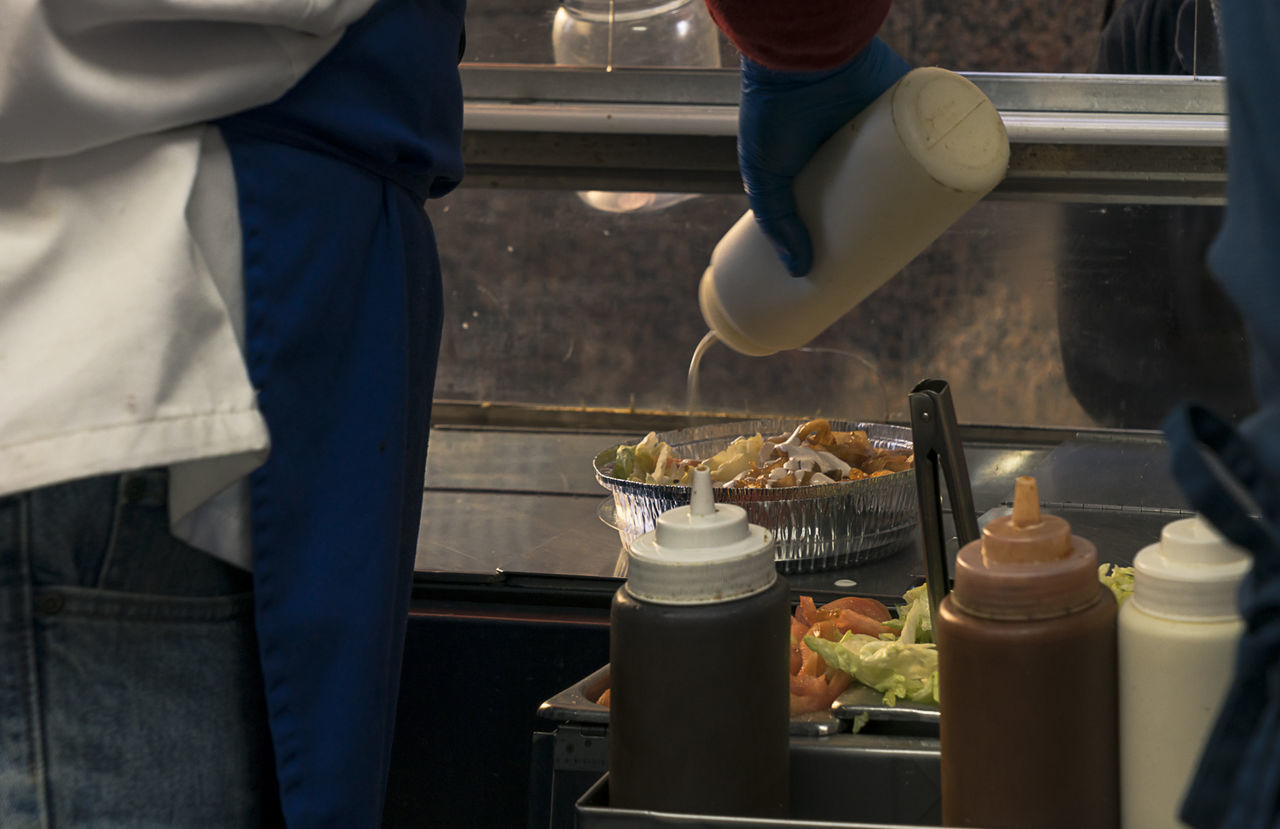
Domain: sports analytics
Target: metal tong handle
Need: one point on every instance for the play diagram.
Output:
(936, 438)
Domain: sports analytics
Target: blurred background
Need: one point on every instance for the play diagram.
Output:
(1038, 312)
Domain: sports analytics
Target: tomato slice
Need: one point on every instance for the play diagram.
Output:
(798, 631)
(803, 684)
(811, 663)
(837, 683)
(805, 704)
(850, 621)
(807, 612)
(867, 607)
(814, 686)
(816, 693)
(826, 629)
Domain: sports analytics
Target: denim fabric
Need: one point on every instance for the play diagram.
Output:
(130, 690)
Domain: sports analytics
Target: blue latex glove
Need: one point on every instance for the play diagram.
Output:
(783, 118)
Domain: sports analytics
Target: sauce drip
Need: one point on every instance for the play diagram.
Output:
(692, 389)
(695, 366)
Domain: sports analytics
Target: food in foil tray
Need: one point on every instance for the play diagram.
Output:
(812, 454)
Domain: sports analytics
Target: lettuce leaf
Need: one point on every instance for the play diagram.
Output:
(1119, 579)
(897, 669)
(917, 622)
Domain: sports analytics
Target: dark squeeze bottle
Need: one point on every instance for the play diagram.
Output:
(698, 647)
(1027, 679)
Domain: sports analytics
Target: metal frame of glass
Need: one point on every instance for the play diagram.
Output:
(1102, 138)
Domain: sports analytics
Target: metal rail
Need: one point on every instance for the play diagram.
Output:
(1075, 137)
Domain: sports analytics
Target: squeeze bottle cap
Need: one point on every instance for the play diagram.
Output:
(702, 553)
(1027, 565)
(1027, 534)
(1191, 574)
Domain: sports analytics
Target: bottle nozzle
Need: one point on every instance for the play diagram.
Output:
(702, 501)
(1026, 502)
(1027, 535)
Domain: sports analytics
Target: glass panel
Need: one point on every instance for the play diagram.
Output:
(1142, 323)
(1017, 36)
(596, 33)
(1208, 43)
(1037, 313)
(1159, 37)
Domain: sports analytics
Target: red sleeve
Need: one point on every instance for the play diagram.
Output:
(799, 35)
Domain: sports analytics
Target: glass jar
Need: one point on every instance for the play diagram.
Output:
(610, 33)
(613, 33)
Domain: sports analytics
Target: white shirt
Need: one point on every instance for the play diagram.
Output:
(121, 289)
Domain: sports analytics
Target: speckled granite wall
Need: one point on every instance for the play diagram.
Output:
(1018, 36)
(1014, 36)
(552, 302)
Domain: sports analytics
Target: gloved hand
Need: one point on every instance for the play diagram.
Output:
(782, 120)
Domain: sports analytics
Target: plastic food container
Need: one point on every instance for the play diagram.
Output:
(817, 527)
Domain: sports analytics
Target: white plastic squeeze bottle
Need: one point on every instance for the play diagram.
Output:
(1177, 645)
(873, 197)
(699, 696)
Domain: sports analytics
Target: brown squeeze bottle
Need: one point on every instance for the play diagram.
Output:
(1027, 679)
(699, 703)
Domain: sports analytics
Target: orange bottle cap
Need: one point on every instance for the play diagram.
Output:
(1027, 565)
(1027, 535)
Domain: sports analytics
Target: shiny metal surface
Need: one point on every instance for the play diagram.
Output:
(1025, 127)
(504, 522)
(502, 501)
(840, 782)
(542, 461)
(1009, 91)
(487, 532)
(1129, 472)
(1141, 129)
(1059, 92)
(1168, 170)
(578, 704)
(992, 470)
(861, 701)
(674, 129)
(1118, 534)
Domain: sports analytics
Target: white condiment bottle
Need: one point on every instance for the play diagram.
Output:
(873, 197)
(1177, 646)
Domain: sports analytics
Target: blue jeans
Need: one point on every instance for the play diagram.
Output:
(130, 690)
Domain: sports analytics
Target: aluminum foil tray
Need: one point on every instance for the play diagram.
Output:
(816, 527)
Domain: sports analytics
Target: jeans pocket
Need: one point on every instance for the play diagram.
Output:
(131, 692)
(152, 710)
(143, 556)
